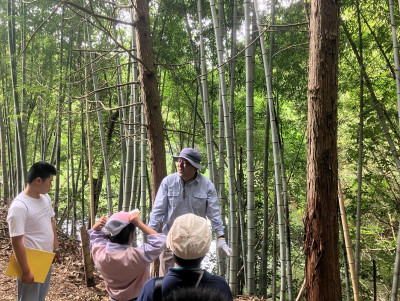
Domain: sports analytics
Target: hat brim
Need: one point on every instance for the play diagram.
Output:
(196, 165)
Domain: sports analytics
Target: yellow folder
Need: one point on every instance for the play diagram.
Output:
(39, 262)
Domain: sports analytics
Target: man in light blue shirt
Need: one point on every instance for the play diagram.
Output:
(183, 192)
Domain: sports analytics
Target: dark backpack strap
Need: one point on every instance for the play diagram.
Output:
(157, 294)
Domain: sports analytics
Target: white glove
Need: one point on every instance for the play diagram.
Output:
(221, 244)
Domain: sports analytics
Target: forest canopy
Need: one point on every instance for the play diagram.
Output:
(229, 75)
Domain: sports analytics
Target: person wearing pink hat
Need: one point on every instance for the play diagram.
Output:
(124, 268)
(186, 191)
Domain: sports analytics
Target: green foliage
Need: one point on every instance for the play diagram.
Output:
(45, 75)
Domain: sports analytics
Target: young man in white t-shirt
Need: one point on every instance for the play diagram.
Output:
(31, 225)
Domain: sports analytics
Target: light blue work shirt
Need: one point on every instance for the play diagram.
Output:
(175, 198)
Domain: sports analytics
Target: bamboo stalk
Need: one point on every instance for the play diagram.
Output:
(87, 258)
(349, 250)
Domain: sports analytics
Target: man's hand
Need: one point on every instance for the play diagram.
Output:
(221, 244)
(27, 278)
(100, 224)
(57, 255)
(57, 258)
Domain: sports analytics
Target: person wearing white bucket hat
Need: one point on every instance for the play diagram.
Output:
(124, 268)
(189, 240)
(186, 191)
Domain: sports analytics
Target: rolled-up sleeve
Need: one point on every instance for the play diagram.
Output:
(213, 213)
(160, 206)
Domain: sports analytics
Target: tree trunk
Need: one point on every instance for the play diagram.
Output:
(60, 104)
(106, 163)
(277, 171)
(230, 155)
(268, 75)
(287, 223)
(89, 155)
(150, 95)
(395, 55)
(222, 262)
(345, 264)
(241, 226)
(126, 151)
(3, 143)
(19, 139)
(321, 220)
(137, 109)
(349, 250)
(143, 166)
(205, 99)
(274, 252)
(249, 54)
(131, 164)
(360, 155)
(6, 194)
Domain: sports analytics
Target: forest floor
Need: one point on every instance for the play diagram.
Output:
(67, 277)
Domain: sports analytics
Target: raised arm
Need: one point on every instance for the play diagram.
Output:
(100, 224)
(135, 219)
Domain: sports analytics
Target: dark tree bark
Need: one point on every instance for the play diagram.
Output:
(150, 94)
(321, 220)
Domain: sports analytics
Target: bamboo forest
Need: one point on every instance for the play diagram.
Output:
(293, 104)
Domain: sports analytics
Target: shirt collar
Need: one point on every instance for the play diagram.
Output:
(191, 180)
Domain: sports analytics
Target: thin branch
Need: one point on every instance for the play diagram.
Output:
(89, 12)
(240, 52)
(105, 88)
(38, 28)
(283, 25)
(292, 46)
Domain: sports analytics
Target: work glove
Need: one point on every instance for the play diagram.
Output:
(221, 244)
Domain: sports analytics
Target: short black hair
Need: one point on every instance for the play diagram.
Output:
(41, 170)
(200, 293)
(122, 237)
(188, 263)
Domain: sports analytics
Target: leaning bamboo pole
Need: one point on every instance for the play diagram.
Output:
(349, 250)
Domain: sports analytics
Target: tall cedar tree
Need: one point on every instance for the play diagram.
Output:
(321, 221)
(150, 94)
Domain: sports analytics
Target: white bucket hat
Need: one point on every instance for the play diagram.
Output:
(189, 237)
(192, 155)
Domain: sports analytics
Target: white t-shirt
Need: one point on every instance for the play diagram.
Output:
(32, 218)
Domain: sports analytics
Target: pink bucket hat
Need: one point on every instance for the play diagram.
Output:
(117, 222)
